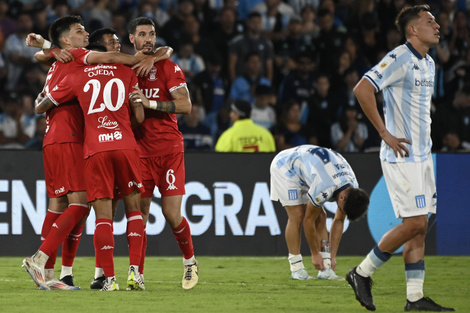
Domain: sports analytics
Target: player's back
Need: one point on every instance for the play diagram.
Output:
(103, 93)
(65, 122)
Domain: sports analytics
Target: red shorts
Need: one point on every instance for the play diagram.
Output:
(109, 169)
(63, 168)
(166, 172)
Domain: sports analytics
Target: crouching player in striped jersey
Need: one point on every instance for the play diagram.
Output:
(111, 156)
(303, 178)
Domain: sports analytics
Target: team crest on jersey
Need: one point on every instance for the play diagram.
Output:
(383, 64)
(177, 68)
(153, 74)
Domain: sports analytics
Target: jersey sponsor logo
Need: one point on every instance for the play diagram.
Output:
(105, 123)
(107, 247)
(117, 135)
(100, 70)
(293, 195)
(379, 76)
(177, 68)
(151, 93)
(134, 234)
(424, 83)
(60, 190)
(170, 179)
(415, 67)
(153, 74)
(420, 201)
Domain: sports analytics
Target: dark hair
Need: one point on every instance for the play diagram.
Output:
(408, 14)
(98, 34)
(132, 26)
(356, 204)
(62, 25)
(96, 46)
(253, 14)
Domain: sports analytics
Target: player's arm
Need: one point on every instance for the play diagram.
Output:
(47, 52)
(137, 108)
(181, 103)
(365, 94)
(143, 67)
(97, 57)
(336, 233)
(43, 103)
(311, 214)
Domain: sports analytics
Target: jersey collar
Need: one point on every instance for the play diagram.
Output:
(413, 50)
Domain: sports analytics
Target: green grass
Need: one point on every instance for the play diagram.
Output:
(233, 284)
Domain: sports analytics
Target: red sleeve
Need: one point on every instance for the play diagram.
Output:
(80, 55)
(63, 92)
(174, 75)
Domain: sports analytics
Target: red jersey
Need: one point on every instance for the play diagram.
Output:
(64, 123)
(103, 92)
(159, 135)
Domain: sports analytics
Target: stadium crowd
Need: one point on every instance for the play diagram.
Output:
(295, 61)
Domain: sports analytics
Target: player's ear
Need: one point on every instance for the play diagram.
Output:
(131, 38)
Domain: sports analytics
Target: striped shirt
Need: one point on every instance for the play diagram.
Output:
(407, 83)
(323, 171)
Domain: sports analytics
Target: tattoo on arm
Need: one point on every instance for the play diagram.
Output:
(166, 106)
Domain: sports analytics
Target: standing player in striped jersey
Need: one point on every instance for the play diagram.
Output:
(303, 178)
(406, 78)
(161, 144)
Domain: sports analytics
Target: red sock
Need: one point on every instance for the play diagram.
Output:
(51, 217)
(70, 245)
(62, 227)
(135, 231)
(182, 234)
(144, 249)
(104, 245)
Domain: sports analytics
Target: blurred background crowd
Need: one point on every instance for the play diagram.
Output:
(295, 61)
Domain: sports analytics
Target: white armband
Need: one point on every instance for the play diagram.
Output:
(46, 45)
(153, 104)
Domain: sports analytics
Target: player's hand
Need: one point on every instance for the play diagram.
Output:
(63, 56)
(138, 97)
(333, 264)
(34, 40)
(397, 144)
(317, 261)
(143, 67)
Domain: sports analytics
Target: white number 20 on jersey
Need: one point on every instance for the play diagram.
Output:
(106, 95)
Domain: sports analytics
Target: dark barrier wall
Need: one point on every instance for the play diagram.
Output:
(229, 210)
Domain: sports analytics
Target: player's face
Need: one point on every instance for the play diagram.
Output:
(77, 37)
(144, 38)
(111, 42)
(427, 29)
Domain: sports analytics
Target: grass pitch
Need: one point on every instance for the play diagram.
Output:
(233, 284)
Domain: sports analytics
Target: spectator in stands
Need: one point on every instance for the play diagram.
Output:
(310, 28)
(35, 143)
(244, 86)
(244, 135)
(288, 48)
(275, 16)
(173, 29)
(329, 41)
(7, 24)
(225, 30)
(322, 110)
(291, 132)
(16, 128)
(190, 62)
(18, 55)
(263, 112)
(197, 137)
(348, 134)
(203, 46)
(205, 15)
(98, 16)
(252, 41)
(299, 84)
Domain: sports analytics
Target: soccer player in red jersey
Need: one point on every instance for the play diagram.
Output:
(161, 143)
(63, 161)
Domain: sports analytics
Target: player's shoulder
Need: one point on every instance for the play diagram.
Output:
(78, 51)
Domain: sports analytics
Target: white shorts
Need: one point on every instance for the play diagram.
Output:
(287, 190)
(412, 187)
